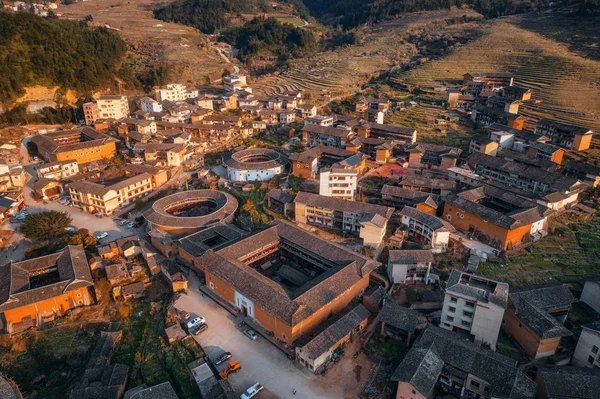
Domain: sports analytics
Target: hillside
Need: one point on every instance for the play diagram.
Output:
(51, 52)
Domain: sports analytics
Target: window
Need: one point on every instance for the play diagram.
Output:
(470, 304)
(414, 392)
(449, 217)
(594, 349)
(211, 285)
(468, 314)
(449, 318)
(475, 384)
(447, 325)
(465, 323)
(591, 359)
(453, 300)
(451, 309)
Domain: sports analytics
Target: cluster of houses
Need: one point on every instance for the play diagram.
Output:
(312, 295)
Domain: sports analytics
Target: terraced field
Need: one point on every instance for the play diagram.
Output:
(567, 84)
(339, 73)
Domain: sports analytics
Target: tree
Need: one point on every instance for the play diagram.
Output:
(45, 225)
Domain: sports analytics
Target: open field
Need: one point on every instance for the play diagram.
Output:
(567, 84)
(341, 72)
(296, 21)
(153, 42)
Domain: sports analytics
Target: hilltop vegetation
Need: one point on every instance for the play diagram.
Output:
(52, 52)
(283, 40)
(351, 13)
(207, 16)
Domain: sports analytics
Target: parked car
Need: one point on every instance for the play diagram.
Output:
(185, 315)
(101, 235)
(199, 328)
(195, 322)
(124, 222)
(250, 333)
(223, 358)
(252, 391)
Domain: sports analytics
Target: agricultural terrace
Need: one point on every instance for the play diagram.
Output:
(565, 82)
(341, 72)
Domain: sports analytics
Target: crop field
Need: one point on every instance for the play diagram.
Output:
(296, 21)
(341, 72)
(566, 84)
(152, 42)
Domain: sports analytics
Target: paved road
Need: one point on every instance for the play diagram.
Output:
(260, 360)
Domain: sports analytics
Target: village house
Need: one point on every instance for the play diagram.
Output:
(442, 361)
(428, 184)
(95, 197)
(57, 170)
(47, 189)
(338, 182)
(315, 135)
(535, 317)
(321, 278)
(133, 291)
(587, 352)
(320, 120)
(399, 197)
(38, 290)
(82, 145)
(567, 136)
(556, 382)
(545, 187)
(308, 110)
(368, 221)
(426, 229)
(509, 105)
(484, 144)
(474, 306)
(117, 274)
(484, 83)
(464, 177)
(175, 92)
(587, 173)
(400, 134)
(432, 156)
(174, 276)
(399, 322)
(150, 105)
(280, 201)
(517, 93)
(306, 164)
(115, 107)
(497, 217)
(514, 139)
(409, 266)
(315, 350)
(486, 116)
(90, 112)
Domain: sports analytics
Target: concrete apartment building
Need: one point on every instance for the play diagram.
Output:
(176, 92)
(474, 306)
(150, 105)
(409, 266)
(587, 352)
(115, 107)
(57, 170)
(338, 182)
(368, 221)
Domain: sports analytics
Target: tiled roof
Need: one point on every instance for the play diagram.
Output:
(563, 126)
(327, 130)
(343, 205)
(244, 159)
(291, 307)
(335, 332)
(570, 382)
(410, 256)
(427, 182)
(421, 366)
(400, 317)
(73, 270)
(431, 221)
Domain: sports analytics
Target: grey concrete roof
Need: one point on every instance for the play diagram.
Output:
(484, 290)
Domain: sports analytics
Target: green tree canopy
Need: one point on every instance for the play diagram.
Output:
(45, 225)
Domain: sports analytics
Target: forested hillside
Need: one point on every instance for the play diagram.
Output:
(351, 13)
(207, 16)
(52, 52)
(283, 40)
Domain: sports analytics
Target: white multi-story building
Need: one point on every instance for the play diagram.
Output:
(338, 182)
(176, 92)
(474, 306)
(587, 352)
(426, 229)
(235, 83)
(148, 104)
(58, 170)
(115, 107)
